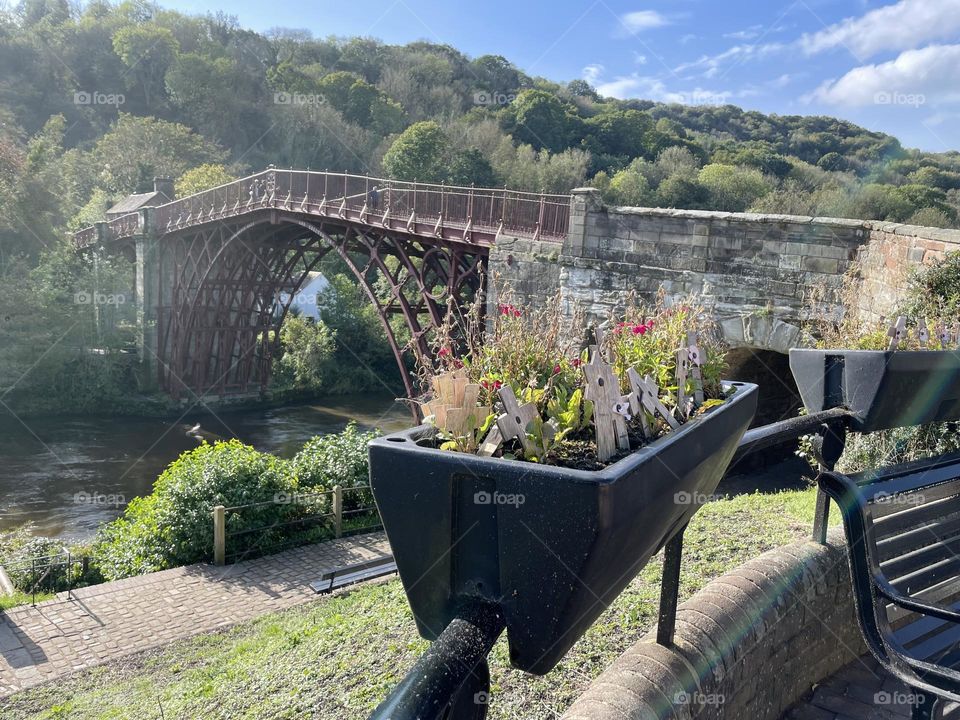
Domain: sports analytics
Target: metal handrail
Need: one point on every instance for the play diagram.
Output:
(427, 208)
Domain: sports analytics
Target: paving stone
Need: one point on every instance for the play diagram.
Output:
(105, 622)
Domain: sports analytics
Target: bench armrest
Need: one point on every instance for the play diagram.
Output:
(918, 606)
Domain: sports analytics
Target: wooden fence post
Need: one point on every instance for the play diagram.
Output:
(337, 510)
(219, 535)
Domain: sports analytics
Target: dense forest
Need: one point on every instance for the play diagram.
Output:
(98, 99)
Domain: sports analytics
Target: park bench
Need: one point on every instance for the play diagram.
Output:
(333, 579)
(903, 531)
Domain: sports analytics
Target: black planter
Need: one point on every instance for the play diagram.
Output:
(882, 389)
(552, 546)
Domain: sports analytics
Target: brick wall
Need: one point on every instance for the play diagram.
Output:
(747, 646)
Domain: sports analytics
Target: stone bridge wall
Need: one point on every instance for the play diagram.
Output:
(756, 271)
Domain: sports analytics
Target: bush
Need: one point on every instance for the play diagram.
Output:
(20, 547)
(173, 526)
(339, 459)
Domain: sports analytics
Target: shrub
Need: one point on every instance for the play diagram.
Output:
(173, 526)
(339, 459)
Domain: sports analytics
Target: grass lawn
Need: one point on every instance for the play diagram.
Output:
(337, 657)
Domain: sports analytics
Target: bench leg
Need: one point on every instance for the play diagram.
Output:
(821, 517)
(925, 706)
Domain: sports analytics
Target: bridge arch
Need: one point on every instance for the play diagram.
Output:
(223, 331)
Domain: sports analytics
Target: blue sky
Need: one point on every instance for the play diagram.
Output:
(889, 66)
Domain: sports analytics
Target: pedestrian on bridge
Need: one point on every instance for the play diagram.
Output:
(373, 198)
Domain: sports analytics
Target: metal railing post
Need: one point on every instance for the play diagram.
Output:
(337, 511)
(219, 535)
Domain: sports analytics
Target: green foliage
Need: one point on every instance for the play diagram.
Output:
(338, 459)
(539, 119)
(628, 187)
(202, 178)
(173, 525)
(307, 348)
(733, 188)
(418, 154)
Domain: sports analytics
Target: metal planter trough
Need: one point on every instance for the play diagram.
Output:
(549, 547)
(882, 389)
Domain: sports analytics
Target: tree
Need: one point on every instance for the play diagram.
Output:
(681, 192)
(540, 119)
(137, 149)
(630, 188)
(147, 50)
(470, 167)
(307, 347)
(732, 188)
(621, 132)
(203, 177)
(419, 153)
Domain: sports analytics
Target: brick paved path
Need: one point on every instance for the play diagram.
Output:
(104, 622)
(860, 691)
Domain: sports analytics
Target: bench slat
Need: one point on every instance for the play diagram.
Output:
(915, 562)
(901, 504)
(931, 529)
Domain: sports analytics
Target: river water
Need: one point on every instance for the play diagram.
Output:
(67, 475)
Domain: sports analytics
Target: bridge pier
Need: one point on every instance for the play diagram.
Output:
(147, 298)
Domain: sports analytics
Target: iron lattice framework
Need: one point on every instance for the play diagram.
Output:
(230, 261)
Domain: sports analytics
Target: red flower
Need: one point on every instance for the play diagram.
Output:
(650, 324)
(576, 362)
(444, 352)
(457, 363)
(639, 329)
(556, 369)
(497, 385)
(509, 310)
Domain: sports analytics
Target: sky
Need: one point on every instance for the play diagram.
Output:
(888, 66)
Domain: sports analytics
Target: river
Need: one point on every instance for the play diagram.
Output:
(68, 475)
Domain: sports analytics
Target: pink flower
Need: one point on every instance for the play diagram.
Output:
(650, 324)
(576, 362)
(497, 385)
(556, 369)
(444, 352)
(457, 363)
(639, 329)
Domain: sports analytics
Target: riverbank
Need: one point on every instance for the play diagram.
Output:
(68, 474)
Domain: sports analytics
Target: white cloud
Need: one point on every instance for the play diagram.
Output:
(640, 20)
(931, 74)
(639, 59)
(709, 66)
(901, 26)
(592, 73)
(749, 34)
(684, 39)
(632, 86)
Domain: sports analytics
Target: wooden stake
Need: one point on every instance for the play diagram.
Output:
(897, 332)
(513, 423)
(647, 389)
(923, 332)
(682, 379)
(603, 390)
(695, 359)
(492, 442)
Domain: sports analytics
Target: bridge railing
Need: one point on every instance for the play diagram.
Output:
(444, 210)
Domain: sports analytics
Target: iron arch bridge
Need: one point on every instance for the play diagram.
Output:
(216, 272)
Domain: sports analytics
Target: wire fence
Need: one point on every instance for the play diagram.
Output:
(49, 574)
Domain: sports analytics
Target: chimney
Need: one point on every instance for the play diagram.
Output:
(165, 186)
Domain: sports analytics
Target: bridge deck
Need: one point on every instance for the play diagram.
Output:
(466, 214)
